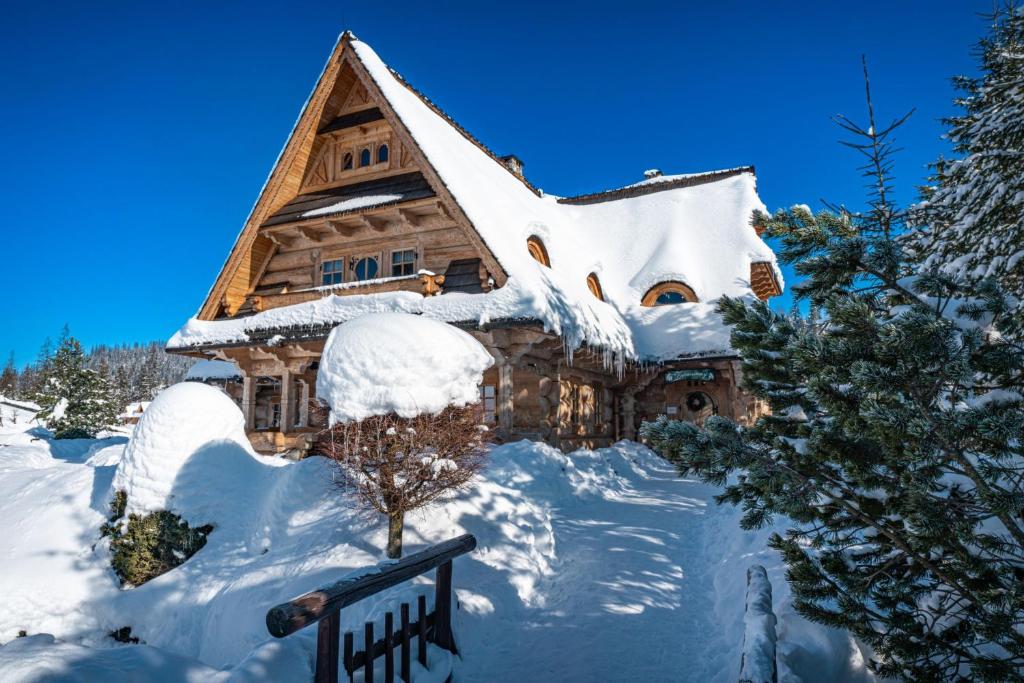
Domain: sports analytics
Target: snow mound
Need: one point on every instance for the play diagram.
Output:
(181, 421)
(396, 362)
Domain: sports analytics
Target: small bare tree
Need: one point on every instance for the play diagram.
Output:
(398, 464)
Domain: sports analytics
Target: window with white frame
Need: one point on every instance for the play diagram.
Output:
(403, 262)
(332, 272)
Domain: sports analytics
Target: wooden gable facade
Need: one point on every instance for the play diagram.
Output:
(353, 206)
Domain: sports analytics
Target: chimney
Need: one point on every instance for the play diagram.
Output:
(652, 173)
(513, 164)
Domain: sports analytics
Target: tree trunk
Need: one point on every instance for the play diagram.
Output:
(396, 522)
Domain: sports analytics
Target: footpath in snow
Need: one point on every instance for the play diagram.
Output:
(593, 565)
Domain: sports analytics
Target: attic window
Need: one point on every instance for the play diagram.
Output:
(346, 162)
(595, 286)
(667, 294)
(364, 157)
(382, 154)
(538, 251)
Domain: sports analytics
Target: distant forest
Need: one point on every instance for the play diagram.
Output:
(135, 371)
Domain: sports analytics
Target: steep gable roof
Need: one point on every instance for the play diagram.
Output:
(693, 229)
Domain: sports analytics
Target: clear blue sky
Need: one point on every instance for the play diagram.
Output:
(136, 135)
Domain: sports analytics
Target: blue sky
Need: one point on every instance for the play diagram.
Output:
(137, 135)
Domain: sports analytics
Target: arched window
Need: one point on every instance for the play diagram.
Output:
(668, 293)
(382, 154)
(538, 251)
(346, 162)
(364, 157)
(365, 268)
(595, 286)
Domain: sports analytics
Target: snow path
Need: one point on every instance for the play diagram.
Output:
(634, 576)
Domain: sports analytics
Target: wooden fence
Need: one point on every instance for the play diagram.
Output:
(324, 607)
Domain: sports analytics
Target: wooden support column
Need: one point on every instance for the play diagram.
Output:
(304, 404)
(286, 401)
(505, 407)
(628, 410)
(249, 402)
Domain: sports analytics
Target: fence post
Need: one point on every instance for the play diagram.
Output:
(368, 647)
(757, 664)
(443, 608)
(327, 633)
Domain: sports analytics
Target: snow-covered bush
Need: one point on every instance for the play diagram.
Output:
(406, 424)
(149, 532)
(143, 547)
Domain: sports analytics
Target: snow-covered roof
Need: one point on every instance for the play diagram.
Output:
(692, 228)
(213, 369)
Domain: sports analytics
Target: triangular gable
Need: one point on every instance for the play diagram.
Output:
(332, 95)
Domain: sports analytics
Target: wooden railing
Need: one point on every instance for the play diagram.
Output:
(324, 607)
(757, 664)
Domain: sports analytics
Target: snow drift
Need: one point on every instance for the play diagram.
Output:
(584, 560)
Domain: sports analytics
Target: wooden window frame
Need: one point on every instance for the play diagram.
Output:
(355, 258)
(650, 298)
(490, 414)
(332, 259)
(535, 245)
(594, 284)
(400, 250)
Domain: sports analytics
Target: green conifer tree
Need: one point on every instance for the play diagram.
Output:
(971, 219)
(76, 402)
(893, 446)
(9, 378)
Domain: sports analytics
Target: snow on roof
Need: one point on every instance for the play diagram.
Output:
(398, 363)
(693, 228)
(213, 369)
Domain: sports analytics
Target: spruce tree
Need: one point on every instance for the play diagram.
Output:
(893, 443)
(972, 216)
(9, 378)
(76, 402)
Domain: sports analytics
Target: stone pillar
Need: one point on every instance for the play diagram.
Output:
(505, 397)
(287, 420)
(249, 402)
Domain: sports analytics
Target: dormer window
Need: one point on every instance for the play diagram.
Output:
(538, 251)
(346, 162)
(382, 154)
(364, 157)
(594, 285)
(667, 294)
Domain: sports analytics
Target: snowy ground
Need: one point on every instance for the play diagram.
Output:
(596, 565)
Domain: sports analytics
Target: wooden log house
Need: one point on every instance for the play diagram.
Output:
(597, 308)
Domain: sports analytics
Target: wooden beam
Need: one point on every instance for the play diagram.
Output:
(310, 232)
(281, 239)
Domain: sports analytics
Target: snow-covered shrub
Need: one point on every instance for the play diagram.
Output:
(146, 546)
(151, 529)
(406, 424)
(399, 464)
